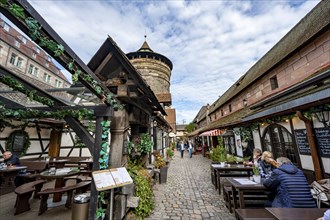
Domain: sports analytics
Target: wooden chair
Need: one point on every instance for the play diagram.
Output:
(24, 192)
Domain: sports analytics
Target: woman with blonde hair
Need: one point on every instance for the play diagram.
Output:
(267, 164)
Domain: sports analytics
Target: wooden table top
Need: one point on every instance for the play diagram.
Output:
(60, 173)
(12, 169)
(297, 213)
(238, 185)
(231, 167)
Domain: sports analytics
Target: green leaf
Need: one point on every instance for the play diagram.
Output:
(17, 11)
(3, 3)
(71, 65)
(32, 24)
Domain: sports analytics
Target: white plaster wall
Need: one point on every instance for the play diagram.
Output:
(306, 160)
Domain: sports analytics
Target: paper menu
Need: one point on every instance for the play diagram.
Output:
(104, 180)
(245, 181)
(112, 178)
(126, 178)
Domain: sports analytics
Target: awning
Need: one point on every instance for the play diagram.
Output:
(215, 132)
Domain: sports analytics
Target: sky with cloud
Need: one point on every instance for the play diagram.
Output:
(211, 43)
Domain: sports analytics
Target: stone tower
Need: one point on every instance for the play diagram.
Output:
(156, 71)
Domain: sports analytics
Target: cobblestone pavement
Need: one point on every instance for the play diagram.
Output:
(189, 193)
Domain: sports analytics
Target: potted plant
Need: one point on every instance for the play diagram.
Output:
(219, 154)
(256, 174)
(139, 148)
(169, 153)
(160, 164)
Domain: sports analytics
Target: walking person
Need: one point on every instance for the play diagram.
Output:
(190, 146)
(182, 147)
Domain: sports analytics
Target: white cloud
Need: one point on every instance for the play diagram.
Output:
(211, 43)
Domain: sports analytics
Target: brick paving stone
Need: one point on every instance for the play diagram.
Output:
(189, 193)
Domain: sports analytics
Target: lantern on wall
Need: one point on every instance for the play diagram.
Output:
(322, 115)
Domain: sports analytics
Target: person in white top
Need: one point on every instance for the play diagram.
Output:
(182, 148)
(190, 147)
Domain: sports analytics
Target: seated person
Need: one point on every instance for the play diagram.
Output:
(256, 157)
(267, 164)
(10, 159)
(290, 185)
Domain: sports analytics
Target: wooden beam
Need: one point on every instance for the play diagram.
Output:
(81, 132)
(103, 63)
(48, 31)
(312, 145)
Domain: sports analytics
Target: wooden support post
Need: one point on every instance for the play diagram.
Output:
(312, 145)
(100, 116)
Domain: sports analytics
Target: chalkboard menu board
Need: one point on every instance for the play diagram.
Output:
(302, 142)
(19, 142)
(322, 140)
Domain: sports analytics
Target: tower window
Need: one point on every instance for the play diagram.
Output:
(229, 107)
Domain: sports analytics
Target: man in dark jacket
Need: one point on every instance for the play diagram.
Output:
(290, 184)
(10, 159)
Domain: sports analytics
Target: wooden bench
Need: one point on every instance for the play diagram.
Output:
(24, 192)
(75, 162)
(80, 188)
(79, 178)
(228, 197)
(33, 169)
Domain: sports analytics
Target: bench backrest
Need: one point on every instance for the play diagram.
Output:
(37, 166)
(28, 186)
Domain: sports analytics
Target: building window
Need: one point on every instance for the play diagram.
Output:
(17, 44)
(273, 82)
(58, 83)
(229, 107)
(49, 58)
(19, 62)
(30, 69)
(23, 39)
(13, 59)
(35, 72)
(34, 55)
(278, 140)
(37, 49)
(221, 112)
(6, 27)
(47, 64)
(46, 78)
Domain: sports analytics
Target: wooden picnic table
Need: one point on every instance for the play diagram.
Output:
(244, 185)
(280, 214)
(297, 213)
(59, 176)
(7, 177)
(57, 163)
(229, 170)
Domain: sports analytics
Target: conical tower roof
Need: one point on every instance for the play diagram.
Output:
(145, 47)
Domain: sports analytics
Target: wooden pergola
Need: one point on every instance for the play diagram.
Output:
(110, 71)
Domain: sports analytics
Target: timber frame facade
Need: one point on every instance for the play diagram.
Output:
(113, 73)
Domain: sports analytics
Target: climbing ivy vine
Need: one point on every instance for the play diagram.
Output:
(38, 36)
(31, 94)
(104, 164)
